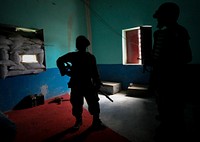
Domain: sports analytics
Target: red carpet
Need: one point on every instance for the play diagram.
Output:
(52, 122)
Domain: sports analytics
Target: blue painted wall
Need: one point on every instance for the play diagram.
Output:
(123, 74)
(14, 89)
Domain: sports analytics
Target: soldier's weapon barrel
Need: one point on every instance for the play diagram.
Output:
(103, 93)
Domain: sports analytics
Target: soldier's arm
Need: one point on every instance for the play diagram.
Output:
(61, 64)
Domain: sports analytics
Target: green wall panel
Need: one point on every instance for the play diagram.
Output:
(62, 21)
(110, 17)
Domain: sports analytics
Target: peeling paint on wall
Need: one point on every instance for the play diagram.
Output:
(69, 28)
(44, 89)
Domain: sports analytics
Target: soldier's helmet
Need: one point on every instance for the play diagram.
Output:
(169, 11)
(82, 43)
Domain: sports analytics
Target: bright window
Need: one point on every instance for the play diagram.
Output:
(29, 59)
(137, 44)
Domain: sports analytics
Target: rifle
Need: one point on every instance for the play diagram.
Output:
(103, 93)
(67, 71)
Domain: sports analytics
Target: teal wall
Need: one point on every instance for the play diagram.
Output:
(109, 17)
(62, 21)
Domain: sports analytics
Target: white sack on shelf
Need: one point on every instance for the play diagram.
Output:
(18, 41)
(4, 54)
(29, 42)
(16, 44)
(17, 67)
(33, 66)
(18, 72)
(14, 56)
(5, 41)
(18, 38)
(7, 62)
(6, 47)
(30, 46)
(3, 71)
(37, 41)
(40, 57)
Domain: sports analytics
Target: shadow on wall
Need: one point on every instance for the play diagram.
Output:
(30, 101)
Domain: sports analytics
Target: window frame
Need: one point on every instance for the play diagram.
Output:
(143, 51)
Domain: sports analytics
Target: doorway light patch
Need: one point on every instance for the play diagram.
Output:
(29, 59)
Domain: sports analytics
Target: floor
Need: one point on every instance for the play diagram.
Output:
(130, 116)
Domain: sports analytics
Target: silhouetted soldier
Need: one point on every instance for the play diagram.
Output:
(171, 53)
(84, 81)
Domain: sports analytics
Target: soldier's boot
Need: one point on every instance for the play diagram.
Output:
(78, 123)
(97, 123)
